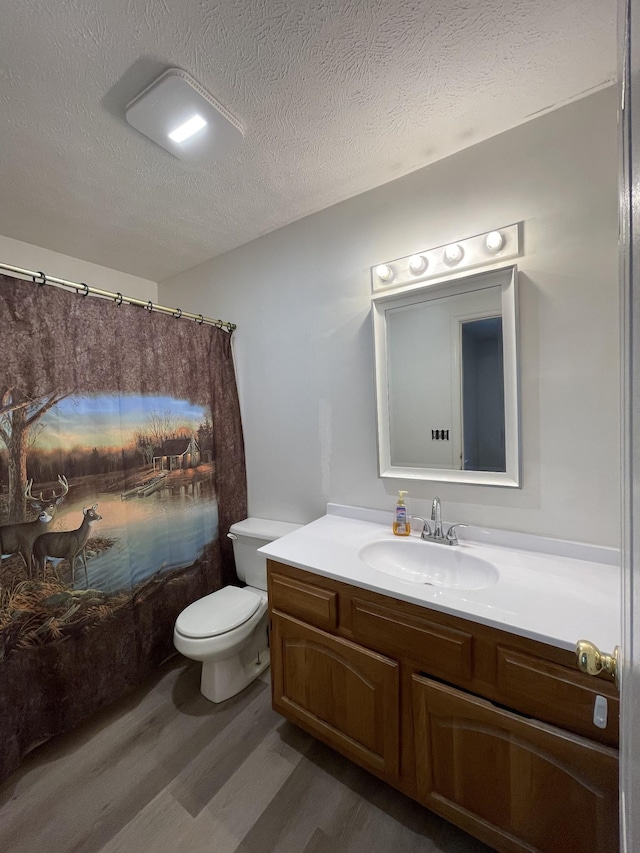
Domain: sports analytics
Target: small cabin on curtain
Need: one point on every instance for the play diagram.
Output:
(177, 453)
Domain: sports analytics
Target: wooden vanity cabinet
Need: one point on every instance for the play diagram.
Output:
(490, 730)
(346, 695)
(511, 781)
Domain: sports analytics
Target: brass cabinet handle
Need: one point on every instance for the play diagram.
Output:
(592, 661)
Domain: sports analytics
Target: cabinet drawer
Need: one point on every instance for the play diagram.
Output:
(555, 694)
(517, 784)
(306, 601)
(446, 652)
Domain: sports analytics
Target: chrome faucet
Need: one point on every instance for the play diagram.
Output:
(436, 517)
(438, 534)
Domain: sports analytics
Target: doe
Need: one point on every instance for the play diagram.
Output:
(66, 544)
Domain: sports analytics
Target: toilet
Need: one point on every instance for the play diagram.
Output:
(228, 630)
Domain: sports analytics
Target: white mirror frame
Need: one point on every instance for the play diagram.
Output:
(511, 478)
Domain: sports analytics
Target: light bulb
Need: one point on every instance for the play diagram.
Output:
(494, 241)
(188, 129)
(453, 253)
(418, 264)
(384, 272)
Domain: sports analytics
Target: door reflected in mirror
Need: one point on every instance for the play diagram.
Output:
(483, 439)
(446, 372)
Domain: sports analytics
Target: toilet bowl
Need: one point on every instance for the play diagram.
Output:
(228, 629)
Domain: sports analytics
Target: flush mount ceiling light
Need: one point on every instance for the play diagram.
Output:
(448, 259)
(176, 113)
(188, 129)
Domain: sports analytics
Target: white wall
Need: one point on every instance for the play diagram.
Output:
(19, 254)
(300, 297)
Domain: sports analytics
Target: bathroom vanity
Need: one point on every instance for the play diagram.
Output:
(462, 692)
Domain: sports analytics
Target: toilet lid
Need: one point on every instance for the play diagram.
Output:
(218, 613)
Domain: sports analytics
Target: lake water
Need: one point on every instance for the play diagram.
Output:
(167, 530)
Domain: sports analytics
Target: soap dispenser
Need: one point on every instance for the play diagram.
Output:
(401, 523)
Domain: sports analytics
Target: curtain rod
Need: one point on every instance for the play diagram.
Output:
(81, 288)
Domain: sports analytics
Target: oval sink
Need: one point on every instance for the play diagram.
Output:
(429, 563)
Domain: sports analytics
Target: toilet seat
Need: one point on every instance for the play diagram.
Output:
(218, 613)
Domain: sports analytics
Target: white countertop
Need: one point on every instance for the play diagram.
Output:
(549, 590)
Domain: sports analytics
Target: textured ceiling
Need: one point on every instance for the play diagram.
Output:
(336, 97)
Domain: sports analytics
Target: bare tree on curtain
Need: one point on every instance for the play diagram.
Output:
(19, 413)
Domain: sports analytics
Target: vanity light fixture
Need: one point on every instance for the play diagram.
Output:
(453, 254)
(448, 259)
(384, 272)
(418, 264)
(176, 113)
(494, 241)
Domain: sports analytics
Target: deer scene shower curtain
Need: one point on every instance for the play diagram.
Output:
(121, 470)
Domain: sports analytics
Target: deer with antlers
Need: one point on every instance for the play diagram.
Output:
(20, 538)
(66, 544)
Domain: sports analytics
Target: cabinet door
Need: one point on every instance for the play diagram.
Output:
(517, 784)
(345, 695)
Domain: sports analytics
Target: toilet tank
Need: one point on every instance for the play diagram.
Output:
(248, 536)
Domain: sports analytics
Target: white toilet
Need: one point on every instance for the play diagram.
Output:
(228, 630)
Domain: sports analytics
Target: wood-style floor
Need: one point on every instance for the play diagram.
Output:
(166, 770)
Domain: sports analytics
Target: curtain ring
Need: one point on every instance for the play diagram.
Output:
(200, 320)
(149, 306)
(118, 298)
(43, 277)
(178, 315)
(219, 324)
(86, 289)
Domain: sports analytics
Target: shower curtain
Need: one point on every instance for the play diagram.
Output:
(121, 470)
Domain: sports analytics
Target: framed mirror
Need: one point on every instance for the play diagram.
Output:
(447, 380)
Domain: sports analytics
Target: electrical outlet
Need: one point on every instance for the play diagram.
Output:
(439, 435)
